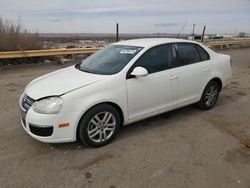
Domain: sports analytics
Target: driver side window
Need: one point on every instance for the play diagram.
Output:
(157, 59)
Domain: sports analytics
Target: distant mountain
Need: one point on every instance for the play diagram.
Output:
(109, 35)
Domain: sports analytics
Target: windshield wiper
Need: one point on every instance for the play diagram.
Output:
(83, 69)
(77, 66)
(86, 70)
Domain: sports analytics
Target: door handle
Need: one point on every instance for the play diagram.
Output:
(173, 77)
(205, 69)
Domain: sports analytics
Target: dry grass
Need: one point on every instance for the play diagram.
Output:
(14, 37)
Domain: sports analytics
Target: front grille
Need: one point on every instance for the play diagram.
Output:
(41, 131)
(27, 102)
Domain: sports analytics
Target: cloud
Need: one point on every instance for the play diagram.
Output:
(133, 15)
(56, 20)
(166, 24)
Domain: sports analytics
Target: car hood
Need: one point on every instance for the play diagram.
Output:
(61, 82)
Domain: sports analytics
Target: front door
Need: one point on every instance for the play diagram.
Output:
(155, 93)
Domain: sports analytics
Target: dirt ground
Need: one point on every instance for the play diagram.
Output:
(187, 148)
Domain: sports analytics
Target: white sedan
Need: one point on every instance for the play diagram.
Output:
(122, 83)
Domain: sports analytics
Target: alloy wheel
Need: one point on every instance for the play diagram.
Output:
(211, 95)
(101, 127)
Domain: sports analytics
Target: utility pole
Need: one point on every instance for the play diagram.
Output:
(181, 29)
(117, 32)
(203, 33)
(193, 30)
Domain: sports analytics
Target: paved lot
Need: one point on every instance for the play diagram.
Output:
(188, 148)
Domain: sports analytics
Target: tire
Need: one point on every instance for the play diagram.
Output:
(209, 96)
(99, 125)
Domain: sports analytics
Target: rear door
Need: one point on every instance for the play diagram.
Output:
(193, 67)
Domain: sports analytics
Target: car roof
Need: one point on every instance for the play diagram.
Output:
(150, 42)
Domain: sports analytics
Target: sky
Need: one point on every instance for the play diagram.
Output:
(134, 16)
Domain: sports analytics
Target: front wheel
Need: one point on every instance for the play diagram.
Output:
(209, 96)
(99, 125)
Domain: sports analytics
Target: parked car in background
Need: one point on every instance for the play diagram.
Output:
(122, 83)
(69, 56)
(88, 46)
(70, 46)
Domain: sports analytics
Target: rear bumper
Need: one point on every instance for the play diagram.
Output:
(227, 81)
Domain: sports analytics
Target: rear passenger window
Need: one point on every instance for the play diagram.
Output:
(157, 59)
(187, 54)
(203, 54)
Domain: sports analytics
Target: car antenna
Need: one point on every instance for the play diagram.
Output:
(182, 29)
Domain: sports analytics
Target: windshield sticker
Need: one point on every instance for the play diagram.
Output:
(126, 51)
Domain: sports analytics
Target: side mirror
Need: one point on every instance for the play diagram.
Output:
(139, 72)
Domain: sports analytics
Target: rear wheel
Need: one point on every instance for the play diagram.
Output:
(99, 125)
(210, 96)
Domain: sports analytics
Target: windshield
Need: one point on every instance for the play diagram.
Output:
(109, 60)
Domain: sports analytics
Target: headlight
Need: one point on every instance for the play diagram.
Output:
(50, 105)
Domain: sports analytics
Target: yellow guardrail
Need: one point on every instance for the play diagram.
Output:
(60, 52)
(227, 43)
(52, 52)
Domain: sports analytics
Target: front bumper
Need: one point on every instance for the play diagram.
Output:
(45, 127)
